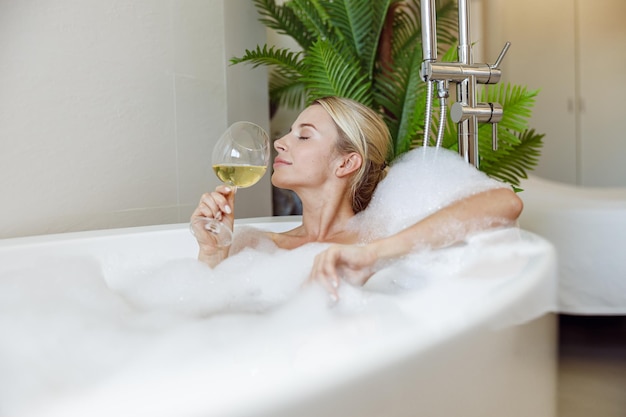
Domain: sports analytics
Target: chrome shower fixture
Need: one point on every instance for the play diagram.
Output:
(466, 111)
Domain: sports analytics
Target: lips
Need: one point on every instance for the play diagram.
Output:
(278, 162)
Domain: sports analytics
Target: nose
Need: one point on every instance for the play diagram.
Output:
(279, 144)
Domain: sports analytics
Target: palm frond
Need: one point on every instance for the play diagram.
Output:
(284, 21)
(360, 24)
(285, 60)
(406, 90)
(332, 71)
(407, 33)
(289, 92)
(511, 161)
(517, 101)
(380, 11)
(389, 90)
(314, 18)
(353, 22)
(389, 95)
(285, 85)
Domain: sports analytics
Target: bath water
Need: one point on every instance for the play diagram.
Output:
(180, 337)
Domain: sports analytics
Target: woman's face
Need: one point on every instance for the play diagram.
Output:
(307, 154)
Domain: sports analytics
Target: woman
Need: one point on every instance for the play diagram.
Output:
(332, 158)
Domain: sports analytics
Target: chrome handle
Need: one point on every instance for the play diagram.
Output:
(494, 136)
(501, 56)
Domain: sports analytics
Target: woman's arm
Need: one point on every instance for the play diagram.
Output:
(482, 211)
(219, 205)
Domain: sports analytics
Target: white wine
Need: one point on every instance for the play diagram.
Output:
(239, 174)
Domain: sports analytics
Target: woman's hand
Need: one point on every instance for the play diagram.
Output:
(351, 263)
(218, 205)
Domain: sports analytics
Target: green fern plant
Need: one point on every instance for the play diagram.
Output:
(370, 51)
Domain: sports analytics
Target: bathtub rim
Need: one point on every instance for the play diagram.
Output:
(407, 345)
(286, 221)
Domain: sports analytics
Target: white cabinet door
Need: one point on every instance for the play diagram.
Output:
(602, 69)
(575, 52)
(542, 56)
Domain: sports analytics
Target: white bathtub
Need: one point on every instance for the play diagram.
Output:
(587, 225)
(491, 354)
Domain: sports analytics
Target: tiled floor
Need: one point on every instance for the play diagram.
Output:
(592, 368)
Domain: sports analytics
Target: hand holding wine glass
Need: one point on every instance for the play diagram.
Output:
(240, 159)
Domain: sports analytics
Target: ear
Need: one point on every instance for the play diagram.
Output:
(349, 163)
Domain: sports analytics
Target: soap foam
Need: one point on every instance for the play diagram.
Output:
(76, 330)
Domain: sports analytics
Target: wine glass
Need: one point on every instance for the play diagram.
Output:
(240, 159)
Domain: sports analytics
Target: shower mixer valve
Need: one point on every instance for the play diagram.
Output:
(483, 112)
(457, 71)
(477, 73)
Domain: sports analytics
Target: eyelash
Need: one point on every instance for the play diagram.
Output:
(300, 137)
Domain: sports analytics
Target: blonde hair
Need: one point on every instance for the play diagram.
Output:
(363, 131)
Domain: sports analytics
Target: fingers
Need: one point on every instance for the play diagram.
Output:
(324, 272)
(351, 263)
(216, 204)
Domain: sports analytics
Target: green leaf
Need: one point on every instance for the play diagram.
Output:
(284, 21)
(286, 61)
(513, 158)
(286, 91)
(313, 17)
(517, 101)
(360, 24)
(331, 71)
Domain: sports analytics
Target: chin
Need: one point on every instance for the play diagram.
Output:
(279, 182)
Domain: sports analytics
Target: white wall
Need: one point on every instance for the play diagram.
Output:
(109, 108)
